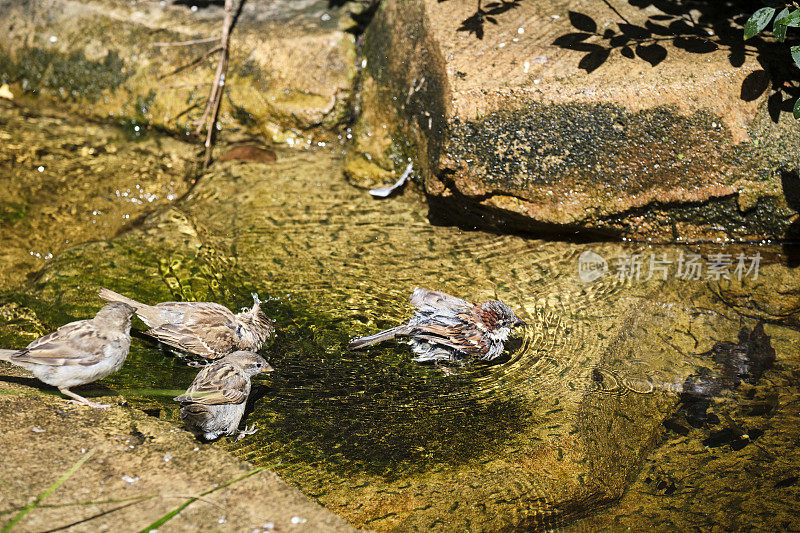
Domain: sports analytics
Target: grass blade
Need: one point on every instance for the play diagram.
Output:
(50, 490)
(172, 514)
(78, 504)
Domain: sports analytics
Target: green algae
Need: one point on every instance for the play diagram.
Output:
(70, 76)
(11, 212)
(135, 127)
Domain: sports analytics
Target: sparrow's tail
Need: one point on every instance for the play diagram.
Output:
(6, 354)
(381, 336)
(111, 296)
(194, 414)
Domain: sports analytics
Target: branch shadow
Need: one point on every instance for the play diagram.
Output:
(697, 27)
(474, 24)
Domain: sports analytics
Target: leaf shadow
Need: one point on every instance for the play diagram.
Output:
(694, 27)
(485, 12)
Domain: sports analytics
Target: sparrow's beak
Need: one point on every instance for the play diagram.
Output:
(266, 368)
(520, 322)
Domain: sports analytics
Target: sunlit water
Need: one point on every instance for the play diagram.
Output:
(566, 426)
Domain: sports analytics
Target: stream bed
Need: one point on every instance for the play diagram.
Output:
(651, 383)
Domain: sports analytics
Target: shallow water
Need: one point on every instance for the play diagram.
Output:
(570, 425)
(66, 183)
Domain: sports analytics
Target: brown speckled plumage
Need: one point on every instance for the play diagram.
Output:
(79, 352)
(206, 329)
(214, 403)
(446, 328)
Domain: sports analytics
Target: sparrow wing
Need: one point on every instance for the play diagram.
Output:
(183, 313)
(462, 338)
(220, 383)
(205, 308)
(76, 343)
(206, 340)
(437, 302)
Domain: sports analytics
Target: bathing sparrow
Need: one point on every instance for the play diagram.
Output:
(214, 404)
(446, 328)
(206, 329)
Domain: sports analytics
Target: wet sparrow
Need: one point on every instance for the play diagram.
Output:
(446, 328)
(206, 329)
(214, 404)
(79, 352)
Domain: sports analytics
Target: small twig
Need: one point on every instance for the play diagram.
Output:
(200, 498)
(187, 43)
(98, 515)
(215, 97)
(212, 97)
(193, 62)
(179, 115)
(614, 9)
(75, 504)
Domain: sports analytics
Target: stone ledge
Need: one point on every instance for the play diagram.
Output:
(43, 436)
(669, 151)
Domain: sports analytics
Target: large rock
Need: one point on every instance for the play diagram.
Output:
(290, 74)
(531, 116)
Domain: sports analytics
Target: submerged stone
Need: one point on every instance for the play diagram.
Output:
(66, 182)
(746, 360)
(734, 469)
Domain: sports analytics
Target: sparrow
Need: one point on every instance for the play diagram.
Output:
(206, 329)
(214, 403)
(79, 352)
(448, 329)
